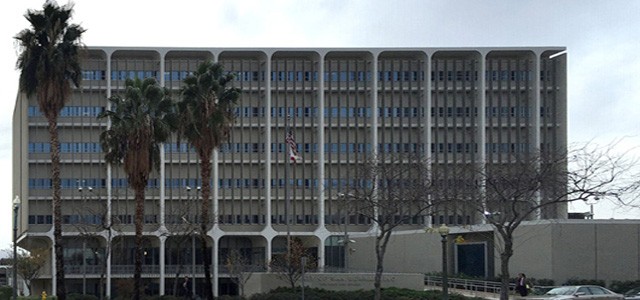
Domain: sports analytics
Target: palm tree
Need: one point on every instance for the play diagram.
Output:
(205, 118)
(49, 62)
(140, 122)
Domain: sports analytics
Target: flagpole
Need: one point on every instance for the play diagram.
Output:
(287, 196)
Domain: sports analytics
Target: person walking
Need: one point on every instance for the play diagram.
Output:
(522, 285)
(186, 288)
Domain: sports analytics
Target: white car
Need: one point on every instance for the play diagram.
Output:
(579, 292)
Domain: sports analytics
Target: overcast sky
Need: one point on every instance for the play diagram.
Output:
(602, 39)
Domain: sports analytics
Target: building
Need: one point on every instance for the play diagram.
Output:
(559, 250)
(452, 105)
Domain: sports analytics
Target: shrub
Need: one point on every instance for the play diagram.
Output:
(74, 296)
(6, 292)
(576, 281)
(320, 294)
(623, 286)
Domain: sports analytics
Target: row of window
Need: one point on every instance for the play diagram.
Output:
(66, 148)
(223, 219)
(302, 147)
(490, 112)
(66, 219)
(335, 112)
(224, 183)
(66, 183)
(330, 76)
(70, 111)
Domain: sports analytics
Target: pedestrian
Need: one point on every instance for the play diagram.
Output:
(186, 288)
(522, 286)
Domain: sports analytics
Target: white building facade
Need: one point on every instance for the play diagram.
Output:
(453, 105)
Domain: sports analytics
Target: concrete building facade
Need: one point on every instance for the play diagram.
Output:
(454, 106)
(559, 250)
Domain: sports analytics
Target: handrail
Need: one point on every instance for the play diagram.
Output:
(467, 284)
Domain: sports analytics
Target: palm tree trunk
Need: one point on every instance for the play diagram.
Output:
(137, 283)
(206, 192)
(61, 292)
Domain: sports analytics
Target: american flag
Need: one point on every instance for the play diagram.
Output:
(293, 147)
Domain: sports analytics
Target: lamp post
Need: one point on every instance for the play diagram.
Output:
(443, 230)
(591, 201)
(16, 207)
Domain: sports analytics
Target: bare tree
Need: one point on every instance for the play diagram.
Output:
(533, 187)
(240, 269)
(390, 191)
(95, 226)
(181, 232)
(290, 268)
(30, 264)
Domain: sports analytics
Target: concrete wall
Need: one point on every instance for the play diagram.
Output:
(264, 282)
(412, 252)
(551, 249)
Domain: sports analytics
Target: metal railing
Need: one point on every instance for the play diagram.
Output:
(467, 284)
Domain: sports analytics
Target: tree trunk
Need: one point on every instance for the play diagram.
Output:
(381, 246)
(139, 222)
(61, 291)
(504, 267)
(205, 161)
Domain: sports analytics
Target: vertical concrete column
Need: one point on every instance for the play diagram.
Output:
(427, 135)
(53, 264)
(162, 153)
(109, 188)
(321, 174)
(481, 129)
(267, 140)
(535, 125)
(109, 171)
(215, 186)
(321, 254)
(214, 258)
(267, 252)
(374, 126)
(163, 240)
(107, 287)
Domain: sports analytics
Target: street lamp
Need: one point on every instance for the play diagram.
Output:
(443, 230)
(16, 207)
(591, 201)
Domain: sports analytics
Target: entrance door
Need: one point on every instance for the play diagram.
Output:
(471, 259)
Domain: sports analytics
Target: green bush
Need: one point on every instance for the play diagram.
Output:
(6, 292)
(576, 281)
(320, 294)
(74, 296)
(623, 286)
(164, 297)
(541, 282)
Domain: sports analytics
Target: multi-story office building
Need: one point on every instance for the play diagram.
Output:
(451, 105)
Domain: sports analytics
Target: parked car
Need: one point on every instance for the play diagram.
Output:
(632, 294)
(579, 292)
